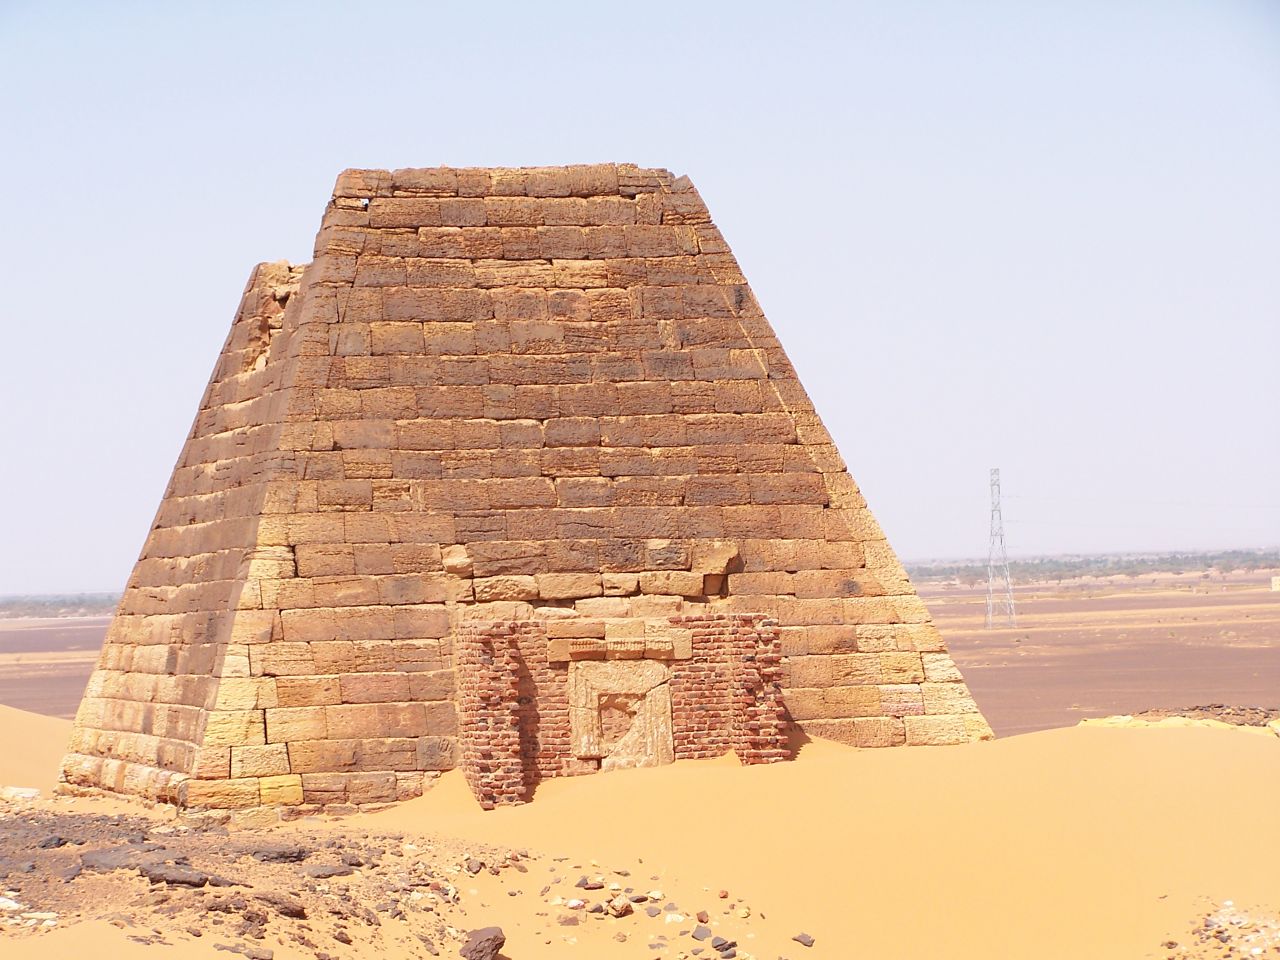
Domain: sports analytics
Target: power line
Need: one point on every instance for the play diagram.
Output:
(998, 564)
(1150, 503)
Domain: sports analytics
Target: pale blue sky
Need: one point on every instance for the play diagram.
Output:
(1043, 236)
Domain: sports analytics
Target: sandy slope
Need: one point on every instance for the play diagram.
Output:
(31, 748)
(1093, 842)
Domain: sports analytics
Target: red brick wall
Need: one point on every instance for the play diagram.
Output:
(488, 712)
(513, 708)
(727, 695)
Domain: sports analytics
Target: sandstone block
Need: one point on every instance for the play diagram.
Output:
(506, 588)
(852, 701)
(371, 788)
(432, 685)
(568, 586)
(935, 731)
(374, 687)
(246, 693)
(576, 627)
(901, 667)
(370, 720)
(254, 626)
(281, 790)
(307, 691)
(220, 794)
(623, 629)
(287, 724)
(211, 763)
(977, 728)
(231, 728)
(940, 668)
(860, 731)
(681, 583)
(440, 718)
(268, 760)
(947, 698)
(437, 753)
(282, 659)
(421, 622)
(620, 584)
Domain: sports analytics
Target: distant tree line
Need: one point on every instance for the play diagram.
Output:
(1099, 565)
(59, 605)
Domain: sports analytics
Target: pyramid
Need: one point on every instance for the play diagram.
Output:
(513, 476)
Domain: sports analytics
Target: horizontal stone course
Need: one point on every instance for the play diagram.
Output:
(534, 395)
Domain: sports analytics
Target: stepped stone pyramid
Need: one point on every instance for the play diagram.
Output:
(513, 476)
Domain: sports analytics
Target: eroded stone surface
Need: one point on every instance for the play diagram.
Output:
(496, 396)
(620, 713)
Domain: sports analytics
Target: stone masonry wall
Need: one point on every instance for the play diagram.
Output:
(496, 395)
(143, 725)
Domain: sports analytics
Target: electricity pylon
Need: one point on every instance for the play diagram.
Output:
(999, 584)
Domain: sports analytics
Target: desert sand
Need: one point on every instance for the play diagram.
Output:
(1094, 841)
(1090, 647)
(1093, 647)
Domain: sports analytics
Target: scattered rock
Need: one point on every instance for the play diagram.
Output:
(246, 950)
(484, 944)
(701, 932)
(619, 906)
(284, 904)
(326, 871)
(120, 858)
(289, 854)
(173, 874)
(803, 939)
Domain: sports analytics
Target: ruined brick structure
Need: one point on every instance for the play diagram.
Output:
(513, 474)
(533, 705)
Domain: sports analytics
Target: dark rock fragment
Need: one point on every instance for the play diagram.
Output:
(324, 871)
(483, 944)
(173, 874)
(284, 904)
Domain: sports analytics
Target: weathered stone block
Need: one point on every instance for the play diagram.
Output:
(268, 760)
(935, 731)
(568, 586)
(281, 790)
(506, 588)
(287, 724)
(231, 728)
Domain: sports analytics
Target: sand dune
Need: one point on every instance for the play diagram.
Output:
(30, 748)
(1084, 842)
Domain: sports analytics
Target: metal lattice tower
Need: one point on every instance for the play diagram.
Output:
(999, 584)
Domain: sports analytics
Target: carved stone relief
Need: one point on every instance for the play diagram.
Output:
(620, 712)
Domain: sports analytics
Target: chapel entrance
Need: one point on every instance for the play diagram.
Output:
(620, 713)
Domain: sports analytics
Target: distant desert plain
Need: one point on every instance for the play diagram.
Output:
(1153, 835)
